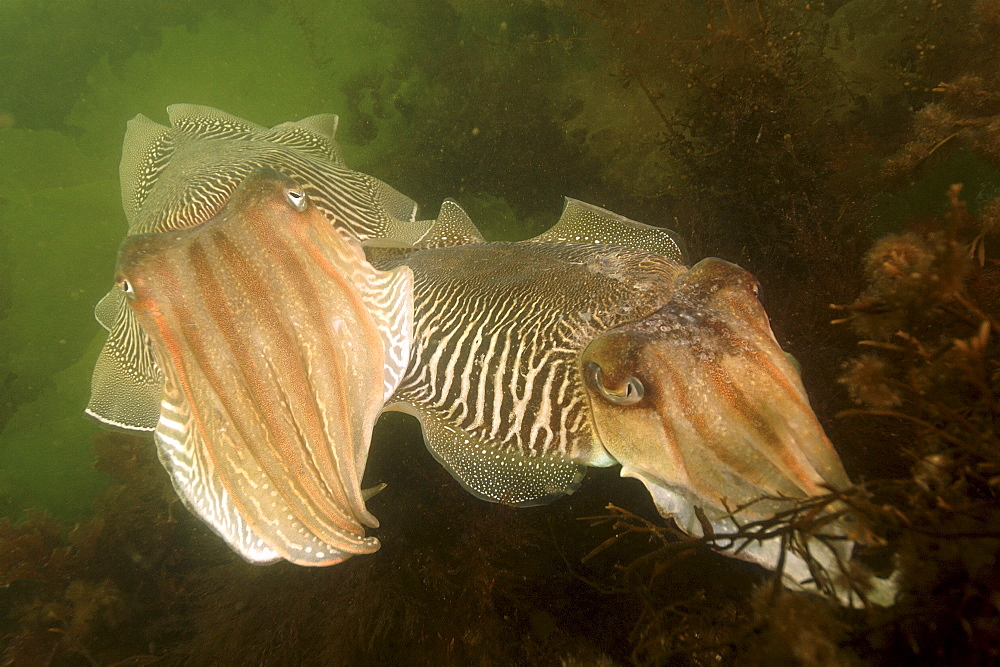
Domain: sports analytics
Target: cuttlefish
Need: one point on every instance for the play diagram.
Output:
(278, 344)
(594, 345)
(249, 331)
(180, 176)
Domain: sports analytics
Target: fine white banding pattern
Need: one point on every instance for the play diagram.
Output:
(495, 354)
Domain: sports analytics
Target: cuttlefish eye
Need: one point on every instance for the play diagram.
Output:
(631, 392)
(298, 199)
(125, 286)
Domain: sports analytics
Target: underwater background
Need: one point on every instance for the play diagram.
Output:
(819, 145)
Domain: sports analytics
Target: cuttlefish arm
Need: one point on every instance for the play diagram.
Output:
(700, 403)
(279, 344)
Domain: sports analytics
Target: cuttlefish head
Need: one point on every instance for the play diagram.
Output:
(278, 344)
(701, 404)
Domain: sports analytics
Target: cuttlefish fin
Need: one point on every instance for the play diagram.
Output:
(585, 223)
(322, 124)
(252, 518)
(313, 135)
(403, 210)
(209, 121)
(146, 151)
(452, 227)
(316, 135)
(192, 165)
(126, 385)
(492, 473)
(106, 310)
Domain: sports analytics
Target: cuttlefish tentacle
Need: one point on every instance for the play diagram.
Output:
(279, 344)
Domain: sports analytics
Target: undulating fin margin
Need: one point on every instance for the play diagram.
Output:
(149, 146)
(585, 223)
(453, 227)
(126, 385)
(579, 222)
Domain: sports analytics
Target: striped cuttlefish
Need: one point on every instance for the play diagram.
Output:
(256, 340)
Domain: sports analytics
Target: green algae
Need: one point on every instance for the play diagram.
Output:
(265, 71)
(59, 215)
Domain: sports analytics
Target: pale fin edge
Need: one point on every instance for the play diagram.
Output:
(126, 386)
(106, 310)
(181, 114)
(453, 227)
(312, 135)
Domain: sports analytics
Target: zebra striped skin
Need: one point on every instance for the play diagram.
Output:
(494, 368)
(180, 176)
